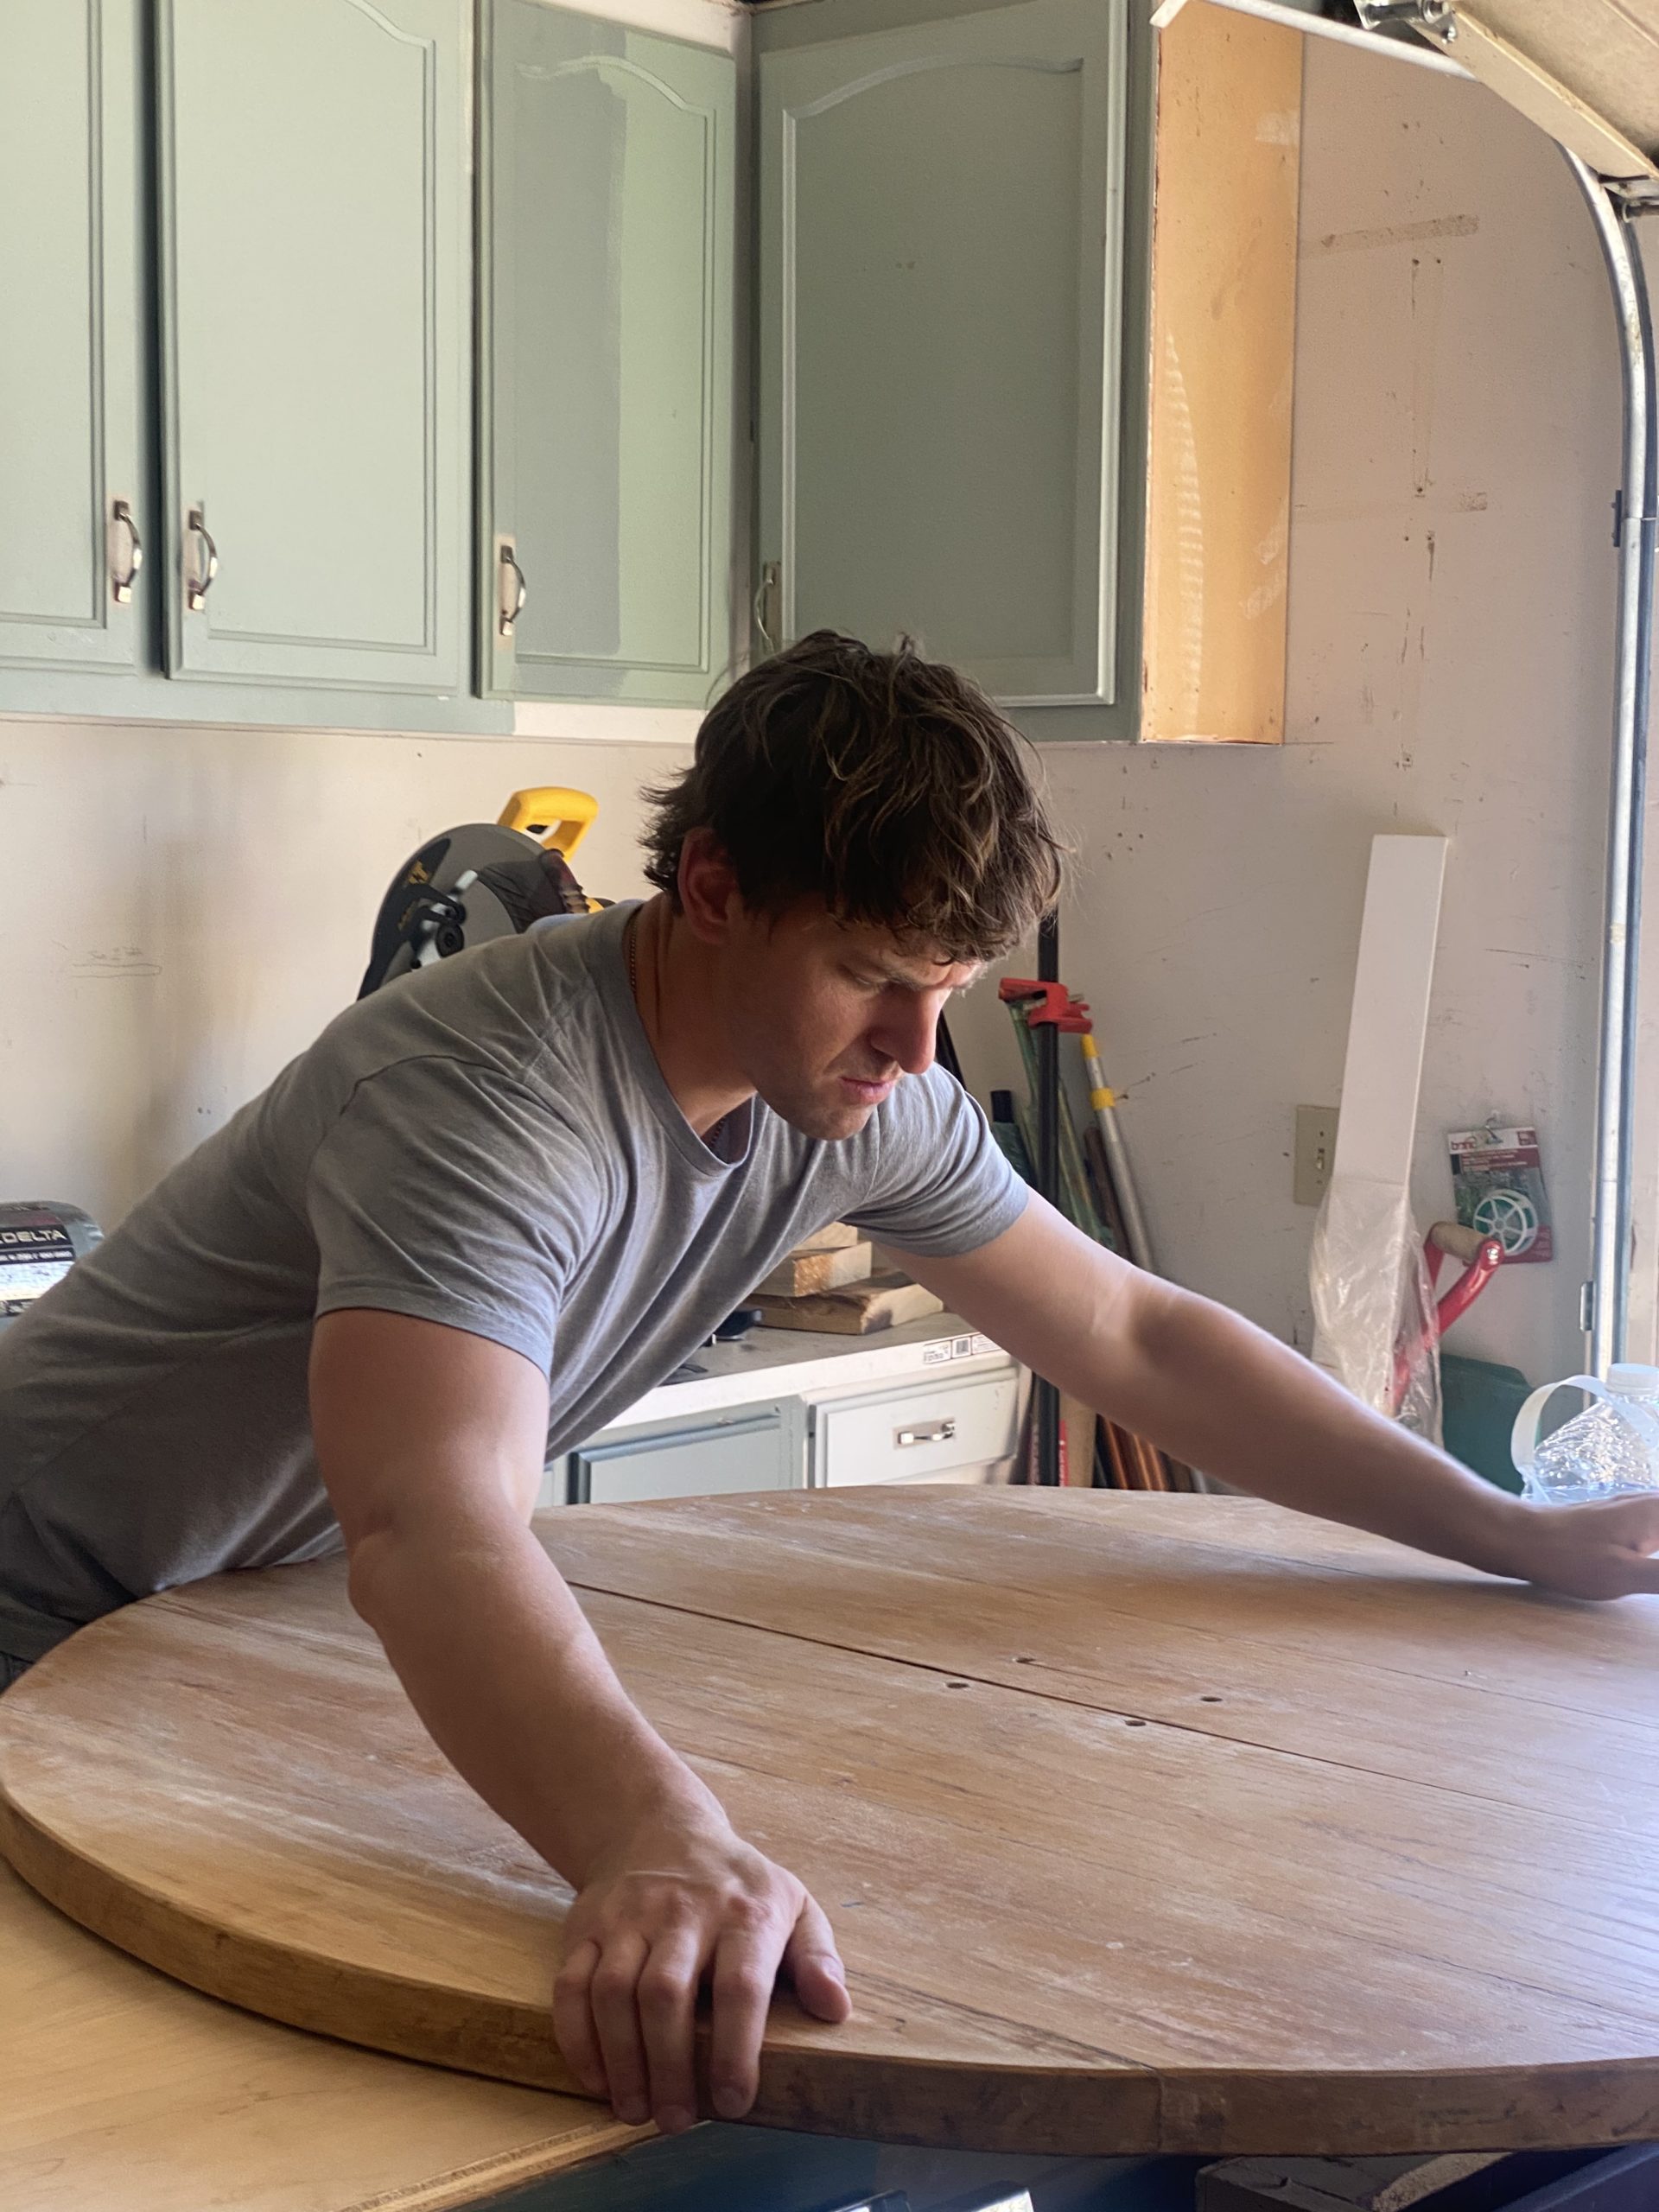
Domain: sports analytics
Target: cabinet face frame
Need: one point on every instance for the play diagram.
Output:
(195, 649)
(105, 631)
(701, 82)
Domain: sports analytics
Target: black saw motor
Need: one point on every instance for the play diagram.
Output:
(486, 880)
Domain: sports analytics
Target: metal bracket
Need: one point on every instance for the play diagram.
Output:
(1634, 196)
(1434, 15)
(1622, 516)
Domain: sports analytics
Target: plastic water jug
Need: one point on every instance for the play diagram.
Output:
(1610, 1450)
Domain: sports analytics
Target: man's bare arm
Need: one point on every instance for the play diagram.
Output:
(1221, 1394)
(431, 1442)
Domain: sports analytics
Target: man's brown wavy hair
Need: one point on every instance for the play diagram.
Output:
(885, 784)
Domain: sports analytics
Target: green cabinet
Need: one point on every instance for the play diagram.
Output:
(940, 305)
(606, 453)
(313, 199)
(73, 513)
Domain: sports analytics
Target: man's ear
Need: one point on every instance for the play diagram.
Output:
(708, 888)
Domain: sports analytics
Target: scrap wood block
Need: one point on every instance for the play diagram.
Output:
(858, 1310)
(802, 1277)
(834, 1238)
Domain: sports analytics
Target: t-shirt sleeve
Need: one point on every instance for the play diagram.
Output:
(445, 1192)
(941, 1186)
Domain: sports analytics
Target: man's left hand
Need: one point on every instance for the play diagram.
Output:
(1602, 1549)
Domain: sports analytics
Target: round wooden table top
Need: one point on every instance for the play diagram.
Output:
(1146, 1823)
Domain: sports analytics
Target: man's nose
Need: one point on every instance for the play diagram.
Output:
(909, 1034)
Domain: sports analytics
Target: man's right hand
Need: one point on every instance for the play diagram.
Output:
(679, 1901)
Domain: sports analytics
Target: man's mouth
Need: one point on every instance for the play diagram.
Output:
(868, 1092)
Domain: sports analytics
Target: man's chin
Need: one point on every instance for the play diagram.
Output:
(827, 1121)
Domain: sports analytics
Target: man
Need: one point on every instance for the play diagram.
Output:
(494, 1204)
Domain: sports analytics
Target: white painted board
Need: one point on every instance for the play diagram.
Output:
(1365, 1243)
(1389, 1024)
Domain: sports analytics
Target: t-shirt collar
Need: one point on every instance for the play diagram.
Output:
(729, 1143)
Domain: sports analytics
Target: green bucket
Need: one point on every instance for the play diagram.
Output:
(1480, 1400)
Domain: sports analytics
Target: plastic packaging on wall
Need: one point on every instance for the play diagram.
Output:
(1372, 1295)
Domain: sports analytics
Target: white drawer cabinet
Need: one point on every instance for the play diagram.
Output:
(959, 1431)
(751, 1448)
(939, 1424)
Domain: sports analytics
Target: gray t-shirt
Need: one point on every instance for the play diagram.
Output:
(488, 1142)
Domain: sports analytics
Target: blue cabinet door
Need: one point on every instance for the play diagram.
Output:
(72, 514)
(317, 330)
(606, 446)
(941, 228)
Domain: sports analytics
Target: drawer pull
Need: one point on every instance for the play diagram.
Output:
(197, 587)
(511, 604)
(121, 586)
(936, 1431)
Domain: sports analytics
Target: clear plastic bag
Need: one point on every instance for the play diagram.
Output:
(1373, 1304)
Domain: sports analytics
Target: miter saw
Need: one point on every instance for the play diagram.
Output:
(486, 880)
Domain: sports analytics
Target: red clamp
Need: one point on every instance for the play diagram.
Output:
(1055, 1003)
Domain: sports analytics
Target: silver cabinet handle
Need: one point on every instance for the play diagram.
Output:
(517, 593)
(197, 589)
(766, 606)
(120, 584)
(936, 1431)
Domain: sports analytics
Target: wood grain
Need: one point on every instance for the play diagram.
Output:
(803, 1274)
(1222, 367)
(1146, 1822)
(858, 1310)
(835, 1237)
(125, 2090)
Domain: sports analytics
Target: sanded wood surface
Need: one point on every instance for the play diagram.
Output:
(1144, 1822)
(125, 2092)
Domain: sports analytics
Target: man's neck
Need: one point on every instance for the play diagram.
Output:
(674, 987)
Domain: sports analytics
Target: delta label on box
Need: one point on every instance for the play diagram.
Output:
(950, 1348)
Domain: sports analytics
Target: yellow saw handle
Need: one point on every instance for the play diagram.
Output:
(552, 815)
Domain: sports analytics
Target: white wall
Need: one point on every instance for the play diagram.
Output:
(1451, 577)
(187, 908)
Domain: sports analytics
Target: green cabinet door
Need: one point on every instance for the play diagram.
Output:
(315, 339)
(72, 504)
(607, 384)
(940, 300)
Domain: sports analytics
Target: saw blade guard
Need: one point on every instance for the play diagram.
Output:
(481, 881)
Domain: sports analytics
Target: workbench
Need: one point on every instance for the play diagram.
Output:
(123, 2091)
